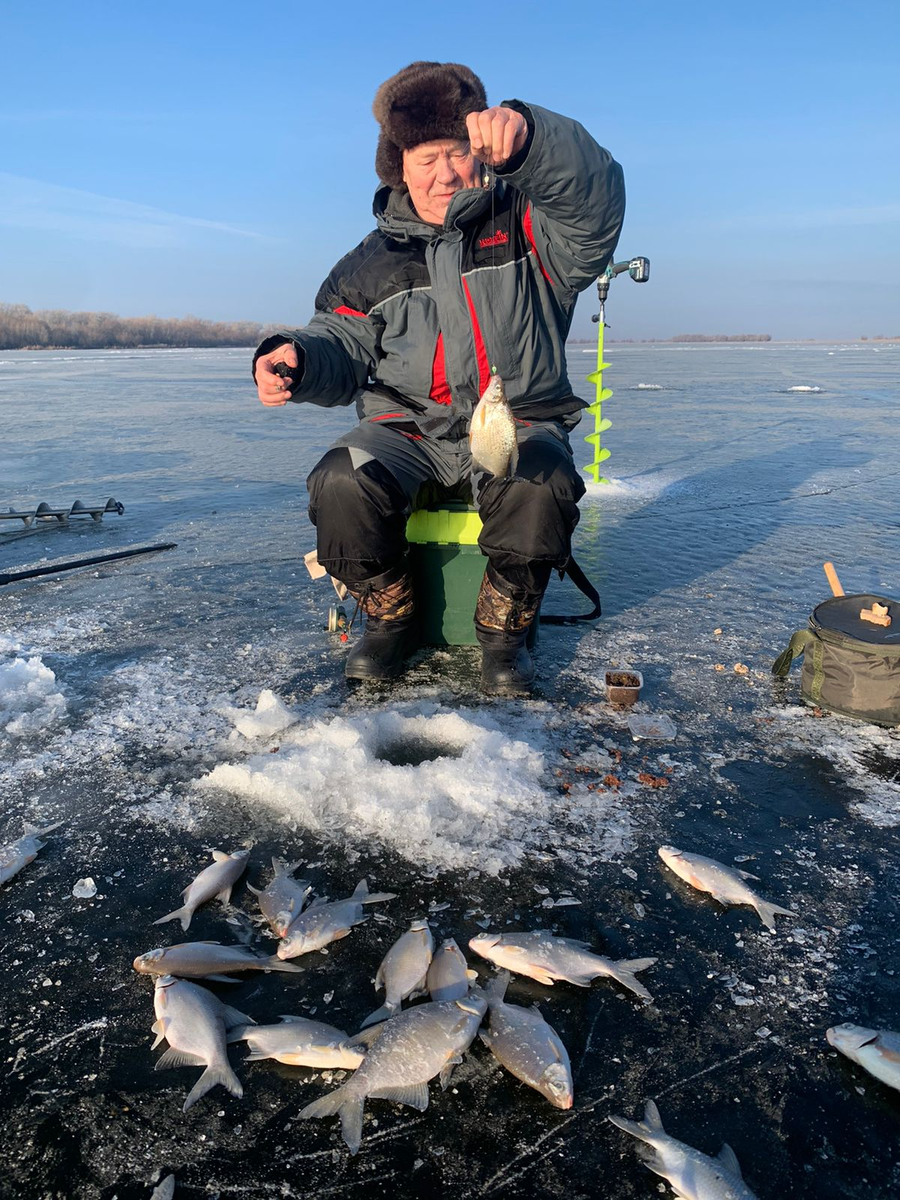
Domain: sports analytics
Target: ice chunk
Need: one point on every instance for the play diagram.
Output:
(29, 697)
(84, 889)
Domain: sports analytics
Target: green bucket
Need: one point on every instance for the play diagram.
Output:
(447, 568)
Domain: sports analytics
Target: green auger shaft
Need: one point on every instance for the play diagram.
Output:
(601, 423)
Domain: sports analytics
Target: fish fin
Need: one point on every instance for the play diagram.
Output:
(767, 912)
(380, 1015)
(547, 980)
(237, 1033)
(486, 1037)
(287, 1017)
(274, 963)
(652, 1119)
(256, 1056)
(747, 875)
(211, 1076)
(360, 891)
(221, 979)
(624, 972)
(220, 856)
(366, 1037)
(378, 897)
(496, 988)
(342, 933)
(160, 1030)
(447, 1071)
(180, 914)
(413, 1095)
(233, 1016)
(379, 978)
(178, 1058)
(255, 891)
(225, 895)
(37, 831)
(728, 1159)
(350, 1108)
(514, 460)
(471, 975)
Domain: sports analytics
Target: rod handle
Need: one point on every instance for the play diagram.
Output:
(833, 581)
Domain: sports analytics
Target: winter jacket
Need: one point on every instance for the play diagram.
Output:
(412, 320)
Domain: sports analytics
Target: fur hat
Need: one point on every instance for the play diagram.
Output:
(425, 102)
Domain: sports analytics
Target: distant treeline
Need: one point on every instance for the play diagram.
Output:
(21, 329)
(687, 337)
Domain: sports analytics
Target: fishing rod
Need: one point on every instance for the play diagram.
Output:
(95, 560)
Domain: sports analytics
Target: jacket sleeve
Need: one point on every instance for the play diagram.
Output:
(337, 351)
(576, 192)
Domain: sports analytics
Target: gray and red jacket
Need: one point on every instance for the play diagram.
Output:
(412, 321)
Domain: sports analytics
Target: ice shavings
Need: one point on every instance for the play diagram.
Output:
(271, 715)
(29, 697)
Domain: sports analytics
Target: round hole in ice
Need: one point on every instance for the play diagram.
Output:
(413, 751)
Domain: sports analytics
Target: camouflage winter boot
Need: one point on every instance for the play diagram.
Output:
(390, 633)
(503, 618)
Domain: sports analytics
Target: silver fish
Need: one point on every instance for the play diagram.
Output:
(283, 900)
(408, 1050)
(544, 957)
(527, 1046)
(194, 1023)
(323, 923)
(403, 970)
(207, 960)
(876, 1050)
(165, 1189)
(19, 854)
(299, 1042)
(725, 884)
(216, 881)
(693, 1176)
(449, 976)
(492, 432)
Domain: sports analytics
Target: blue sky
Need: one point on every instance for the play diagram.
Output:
(217, 160)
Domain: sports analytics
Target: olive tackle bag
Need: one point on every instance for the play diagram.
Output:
(850, 666)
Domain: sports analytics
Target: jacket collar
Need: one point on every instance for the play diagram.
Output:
(398, 219)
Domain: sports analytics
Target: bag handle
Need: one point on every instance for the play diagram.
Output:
(800, 641)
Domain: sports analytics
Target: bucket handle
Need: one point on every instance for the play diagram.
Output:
(799, 642)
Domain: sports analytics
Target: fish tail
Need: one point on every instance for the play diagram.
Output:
(348, 1105)
(767, 912)
(180, 914)
(211, 1076)
(274, 963)
(651, 1125)
(380, 1014)
(496, 988)
(37, 831)
(624, 972)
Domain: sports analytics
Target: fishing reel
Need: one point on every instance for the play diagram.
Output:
(637, 268)
(337, 621)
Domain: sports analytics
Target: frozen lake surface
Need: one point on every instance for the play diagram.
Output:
(188, 701)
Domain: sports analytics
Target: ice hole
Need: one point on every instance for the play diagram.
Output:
(413, 751)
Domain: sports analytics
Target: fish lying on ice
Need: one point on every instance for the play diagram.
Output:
(20, 853)
(522, 1041)
(194, 1022)
(725, 884)
(406, 1053)
(216, 880)
(283, 900)
(403, 970)
(165, 1189)
(207, 960)
(299, 1042)
(693, 1176)
(876, 1050)
(323, 923)
(492, 432)
(449, 976)
(544, 957)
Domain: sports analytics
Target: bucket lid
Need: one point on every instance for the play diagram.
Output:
(841, 614)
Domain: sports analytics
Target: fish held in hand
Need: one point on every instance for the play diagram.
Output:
(875, 1050)
(449, 976)
(25, 850)
(403, 970)
(693, 1176)
(194, 1022)
(324, 923)
(214, 881)
(492, 432)
(544, 957)
(725, 884)
(284, 898)
(207, 960)
(407, 1052)
(522, 1041)
(299, 1042)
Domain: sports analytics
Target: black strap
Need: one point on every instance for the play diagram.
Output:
(585, 586)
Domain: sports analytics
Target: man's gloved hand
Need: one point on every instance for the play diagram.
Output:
(496, 134)
(276, 374)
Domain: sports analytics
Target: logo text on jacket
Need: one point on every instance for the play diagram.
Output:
(498, 239)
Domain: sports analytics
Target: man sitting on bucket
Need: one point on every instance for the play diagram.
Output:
(470, 270)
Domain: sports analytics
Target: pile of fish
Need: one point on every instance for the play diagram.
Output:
(398, 1050)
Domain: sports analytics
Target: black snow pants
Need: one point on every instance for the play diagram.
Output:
(365, 487)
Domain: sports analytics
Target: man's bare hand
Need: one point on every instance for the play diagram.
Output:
(496, 134)
(275, 389)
